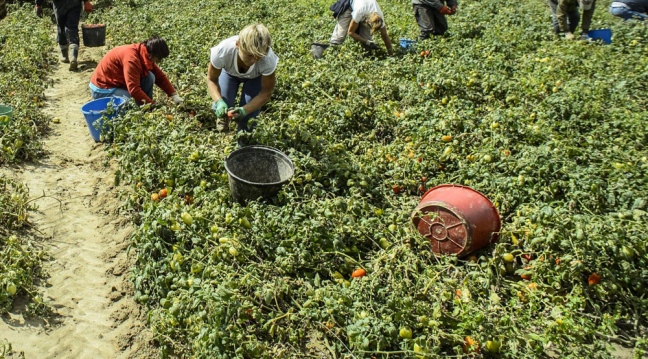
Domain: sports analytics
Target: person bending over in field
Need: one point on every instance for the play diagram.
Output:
(630, 9)
(67, 14)
(565, 16)
(131, 71)
(431, 16)
(361, 21)
(245, 59)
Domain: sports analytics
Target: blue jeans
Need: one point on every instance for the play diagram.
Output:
(146, 84)
(627, 14)
(229, 86)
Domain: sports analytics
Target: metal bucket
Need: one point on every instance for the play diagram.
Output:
(257, 171)
(317, 49)
(456, 219)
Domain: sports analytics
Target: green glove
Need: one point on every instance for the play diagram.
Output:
(219, 107)
(236, 113)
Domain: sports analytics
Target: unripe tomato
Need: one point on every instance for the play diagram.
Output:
(186, 218)
(11, 288)
(405, 333)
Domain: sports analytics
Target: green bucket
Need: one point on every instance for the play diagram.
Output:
(6, 114)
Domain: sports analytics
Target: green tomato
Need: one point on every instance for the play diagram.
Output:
(508, 257)
(405, 333)
(11, 288)
(493, 346)
(186, 218)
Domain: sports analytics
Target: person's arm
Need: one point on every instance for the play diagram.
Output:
(267, 88)
(353, 27)
(132, 78)
(162, 81)
(385, 37)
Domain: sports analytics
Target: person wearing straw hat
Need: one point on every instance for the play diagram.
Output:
(361, 21)
(67, 14)
(630, 9)
(131, 71)
(431, 16)
(245, 60)
(565, 16)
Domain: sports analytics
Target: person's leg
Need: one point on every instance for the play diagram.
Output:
(440, 23)
(251, 88)
(425, 22)
(573, 18)
(147, 84)
(72, 33)
(341, 28)
(553, 5)
(120, 93)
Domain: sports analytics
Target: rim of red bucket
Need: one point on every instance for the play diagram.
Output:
(466, 187)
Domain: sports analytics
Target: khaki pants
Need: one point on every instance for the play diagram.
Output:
(342, 29)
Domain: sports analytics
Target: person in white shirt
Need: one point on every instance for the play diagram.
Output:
(248, 60)
(360, 22)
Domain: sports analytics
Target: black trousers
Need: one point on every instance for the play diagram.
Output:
(430, 21)
(67, 25)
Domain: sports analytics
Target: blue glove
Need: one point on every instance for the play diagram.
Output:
(219, 107)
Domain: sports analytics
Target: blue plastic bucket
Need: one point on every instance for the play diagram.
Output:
(407, 44)
(604, 35)
(96, 110)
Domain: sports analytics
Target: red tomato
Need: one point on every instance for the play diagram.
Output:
(594, 279)
(359, 272)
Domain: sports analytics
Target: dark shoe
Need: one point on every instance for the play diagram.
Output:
(74, 66)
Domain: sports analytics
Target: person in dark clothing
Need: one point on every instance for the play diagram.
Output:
(67, 13)
(565, 16)
(431, 16)
(630, 9)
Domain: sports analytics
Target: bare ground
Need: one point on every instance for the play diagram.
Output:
(94, 315)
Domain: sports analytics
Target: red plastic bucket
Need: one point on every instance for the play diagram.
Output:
(456, 219)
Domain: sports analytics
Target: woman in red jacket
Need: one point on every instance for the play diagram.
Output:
(131, 71)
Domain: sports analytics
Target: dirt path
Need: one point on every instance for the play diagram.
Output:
(95, 316)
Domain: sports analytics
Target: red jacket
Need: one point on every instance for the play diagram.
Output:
(124, 67)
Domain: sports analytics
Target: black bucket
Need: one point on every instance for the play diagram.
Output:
(317, 49)
(93, 35)
(257, 171)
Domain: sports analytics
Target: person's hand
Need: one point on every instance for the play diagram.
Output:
(371, 45)
(236, 113)
(445, 10)
(176, 99)
(219, 107)
(569, 36)
(39, 11)
(454, 9)
(87, 6)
